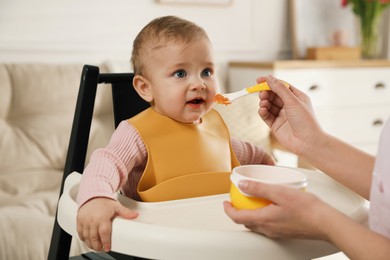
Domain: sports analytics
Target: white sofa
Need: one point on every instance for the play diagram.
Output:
(37, 103)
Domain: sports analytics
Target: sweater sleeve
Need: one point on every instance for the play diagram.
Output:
(247, 153)
(108, 167)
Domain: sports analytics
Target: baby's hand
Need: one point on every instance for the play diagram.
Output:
(94, 221)
(268, 159)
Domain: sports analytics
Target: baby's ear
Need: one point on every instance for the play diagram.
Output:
(142, 86)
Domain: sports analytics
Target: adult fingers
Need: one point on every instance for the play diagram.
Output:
(287, 95)
(243, 216)
(271, 97)
(279, 195)
(262, 190)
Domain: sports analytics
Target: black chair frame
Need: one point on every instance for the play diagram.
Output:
(126, 103)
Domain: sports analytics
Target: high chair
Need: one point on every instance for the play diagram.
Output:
(126, 103)
(195, 228)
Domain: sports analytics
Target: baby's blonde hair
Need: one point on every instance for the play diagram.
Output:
(160, 31)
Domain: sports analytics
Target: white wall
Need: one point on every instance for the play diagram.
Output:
(91, 31)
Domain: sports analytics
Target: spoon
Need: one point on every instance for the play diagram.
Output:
(227, 99)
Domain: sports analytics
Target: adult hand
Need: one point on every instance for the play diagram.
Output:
(289, 114)
(94, 221)
(293, 214)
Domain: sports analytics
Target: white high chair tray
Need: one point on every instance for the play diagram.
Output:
(198, 228)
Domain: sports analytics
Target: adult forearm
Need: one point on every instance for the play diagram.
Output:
(354, 239)
(341, 161)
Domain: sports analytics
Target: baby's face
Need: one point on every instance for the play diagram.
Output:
(183, 80)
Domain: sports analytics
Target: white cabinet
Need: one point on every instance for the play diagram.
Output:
(351, 98)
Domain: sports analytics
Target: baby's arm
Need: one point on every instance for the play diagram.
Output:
(248, 153)
(102, 178)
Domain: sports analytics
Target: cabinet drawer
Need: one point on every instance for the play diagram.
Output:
(360, 125)
(351, 102)
(330, 87)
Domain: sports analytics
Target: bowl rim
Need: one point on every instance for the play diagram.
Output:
(235, 176)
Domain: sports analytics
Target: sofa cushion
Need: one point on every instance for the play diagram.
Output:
(36, 114)
(37, 104)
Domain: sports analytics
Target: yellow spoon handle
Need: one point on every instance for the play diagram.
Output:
(261, 87)
(258, 87)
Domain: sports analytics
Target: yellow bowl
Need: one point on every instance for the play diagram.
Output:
(266, 174)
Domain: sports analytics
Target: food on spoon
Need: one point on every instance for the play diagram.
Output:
(229, 98)
(221, 99)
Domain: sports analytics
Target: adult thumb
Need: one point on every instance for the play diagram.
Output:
(257, 189)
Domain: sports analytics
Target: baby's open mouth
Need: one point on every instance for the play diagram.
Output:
(196, 101)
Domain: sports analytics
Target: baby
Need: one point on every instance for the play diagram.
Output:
(178, 148)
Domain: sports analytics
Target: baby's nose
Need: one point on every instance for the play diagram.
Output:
(198, 85)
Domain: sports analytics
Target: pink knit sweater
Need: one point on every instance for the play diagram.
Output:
(119, 166)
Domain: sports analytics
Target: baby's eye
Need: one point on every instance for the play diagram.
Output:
(180, 74)
(206, 73)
